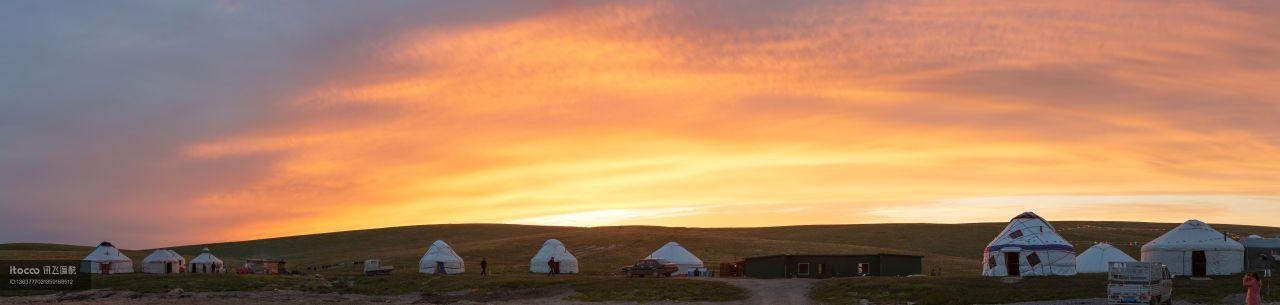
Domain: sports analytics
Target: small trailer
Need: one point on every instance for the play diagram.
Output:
(375, 267)
(1139, 283)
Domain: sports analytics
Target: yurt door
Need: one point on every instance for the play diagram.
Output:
(104, 268)
(1198, 264)
(168, 267)
(1012, 264)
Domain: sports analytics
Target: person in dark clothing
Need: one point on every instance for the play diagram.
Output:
(484, 266)
(551, 266)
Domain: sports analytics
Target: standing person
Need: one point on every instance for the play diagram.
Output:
(484, 266)
(1254, 285)
(551, 266)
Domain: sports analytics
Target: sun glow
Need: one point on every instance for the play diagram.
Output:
(711, 114)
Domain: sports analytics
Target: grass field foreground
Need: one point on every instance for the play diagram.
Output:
(437, 288)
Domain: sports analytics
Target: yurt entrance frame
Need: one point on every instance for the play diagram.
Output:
(1199, 264)
(104, 268)
(1012, 263)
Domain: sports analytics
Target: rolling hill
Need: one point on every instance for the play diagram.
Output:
(956, 248)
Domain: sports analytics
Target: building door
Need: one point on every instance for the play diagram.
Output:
(1199, 265)
(104, 268)
(1012, 264)
(168, 267)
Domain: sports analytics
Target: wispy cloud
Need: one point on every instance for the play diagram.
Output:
(609, 217)
(1148, 207)
(332, 114)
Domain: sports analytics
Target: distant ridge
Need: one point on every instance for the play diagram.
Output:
(508, 247)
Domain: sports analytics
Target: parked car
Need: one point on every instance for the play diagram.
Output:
(1139, 283)
(650, 267)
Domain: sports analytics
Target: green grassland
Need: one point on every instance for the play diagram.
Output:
(438, 288)
(954, 248)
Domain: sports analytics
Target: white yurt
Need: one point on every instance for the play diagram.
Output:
(1028, 246)
(1195, 249)
(106, 259)
(1098, 258)
(207, 263)
(162, 261)
(441, 255)
(677, 254)
(553, 248)
(183, 265)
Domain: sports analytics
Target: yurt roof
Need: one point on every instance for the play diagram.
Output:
(105, 252)
(1029, 232)
(441, 251)
(206, 256)
(554, 248)
(1261, 242)
(1103, 253)
(1193, 235)
(162, 255)
(1030, 216)
(675, 253)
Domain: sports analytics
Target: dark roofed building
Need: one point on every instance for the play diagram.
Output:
(1261, 254)
(831, 265)
(266, 266)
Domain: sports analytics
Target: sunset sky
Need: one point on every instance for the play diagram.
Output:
(159, 123)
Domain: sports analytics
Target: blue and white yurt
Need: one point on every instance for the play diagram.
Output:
(1029, 246)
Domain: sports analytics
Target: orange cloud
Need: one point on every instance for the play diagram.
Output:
(867, 110)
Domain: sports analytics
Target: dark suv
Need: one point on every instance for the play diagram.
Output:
(650, 267)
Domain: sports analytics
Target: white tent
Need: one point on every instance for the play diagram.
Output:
(677, 254)
(553, 248)
(182, 259)
(1098, 258)
(162, 261)
(1028, 246)
(207, 263)
(440, 255)
(1195, 249)
(106, 259)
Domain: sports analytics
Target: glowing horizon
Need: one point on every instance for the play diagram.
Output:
(257, 121)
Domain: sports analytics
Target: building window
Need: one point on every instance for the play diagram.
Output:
(863, 268)
(802, 268)
(1033, 259)
(1015, 234)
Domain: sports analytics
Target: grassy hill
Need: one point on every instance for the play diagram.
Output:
(956, 248)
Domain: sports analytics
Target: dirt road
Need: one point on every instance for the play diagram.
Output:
(772, 292)
(760, 292)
